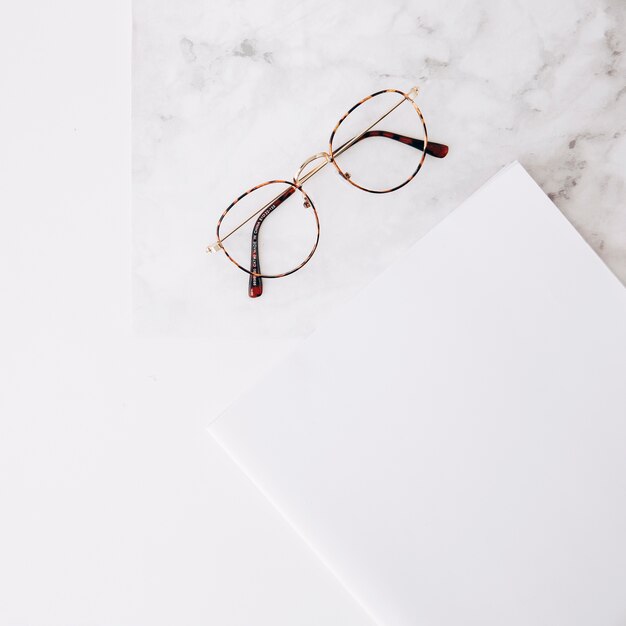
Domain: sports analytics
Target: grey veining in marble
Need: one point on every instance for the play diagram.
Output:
(229, 94)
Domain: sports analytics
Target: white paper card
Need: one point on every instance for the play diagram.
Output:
(453, 441)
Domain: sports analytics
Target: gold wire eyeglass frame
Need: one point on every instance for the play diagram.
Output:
(255, 283)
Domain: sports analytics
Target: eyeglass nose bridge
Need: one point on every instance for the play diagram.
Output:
(320, 155)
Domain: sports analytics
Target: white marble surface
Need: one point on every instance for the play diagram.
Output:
(229, 94)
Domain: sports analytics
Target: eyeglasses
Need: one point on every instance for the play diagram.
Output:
(368, 157)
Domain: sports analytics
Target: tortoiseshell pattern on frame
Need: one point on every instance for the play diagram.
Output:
(358, 104)
(437, 150)
(255, 284)
(243, 195)
(255, 287)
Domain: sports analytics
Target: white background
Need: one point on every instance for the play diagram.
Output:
(115, 505)
(116, 508)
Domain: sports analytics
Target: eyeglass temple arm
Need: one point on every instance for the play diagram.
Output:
(255, 284)
(438, 150)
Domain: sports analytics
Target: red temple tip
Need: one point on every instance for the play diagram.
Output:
(256, 291)
(438, 150)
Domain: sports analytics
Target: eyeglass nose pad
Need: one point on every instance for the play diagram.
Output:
(413, 92)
